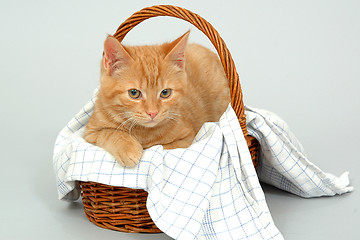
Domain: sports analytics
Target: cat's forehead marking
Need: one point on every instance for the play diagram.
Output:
(150, 67)
(149, 61)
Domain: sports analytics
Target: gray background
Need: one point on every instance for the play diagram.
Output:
(299, 59)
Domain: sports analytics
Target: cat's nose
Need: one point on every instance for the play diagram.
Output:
(152, 115)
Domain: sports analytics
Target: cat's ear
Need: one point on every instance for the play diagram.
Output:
(176, 53)
(115, 55)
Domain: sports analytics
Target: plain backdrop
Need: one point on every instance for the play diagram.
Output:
(299, 59)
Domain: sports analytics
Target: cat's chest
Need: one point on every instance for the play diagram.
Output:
(163, 135)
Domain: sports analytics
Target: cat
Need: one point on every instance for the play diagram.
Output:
(155, 95)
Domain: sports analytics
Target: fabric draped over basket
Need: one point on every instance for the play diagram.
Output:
(209, 190)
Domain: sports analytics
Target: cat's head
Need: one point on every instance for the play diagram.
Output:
(143, 85)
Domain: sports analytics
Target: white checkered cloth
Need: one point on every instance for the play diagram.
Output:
(283, 163)
(209, 190)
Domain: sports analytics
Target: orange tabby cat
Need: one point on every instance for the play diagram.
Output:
(151, 95)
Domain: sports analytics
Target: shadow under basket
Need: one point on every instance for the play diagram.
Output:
(124, 209)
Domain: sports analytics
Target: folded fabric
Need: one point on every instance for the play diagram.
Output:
(209, 190)
(283, 163)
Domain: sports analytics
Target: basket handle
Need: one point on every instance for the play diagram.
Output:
(210, 32)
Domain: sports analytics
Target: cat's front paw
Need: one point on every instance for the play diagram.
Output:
(129, 154)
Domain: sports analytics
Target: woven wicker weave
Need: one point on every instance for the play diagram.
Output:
(124, 209)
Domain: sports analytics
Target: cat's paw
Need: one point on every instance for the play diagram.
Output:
(128, 155)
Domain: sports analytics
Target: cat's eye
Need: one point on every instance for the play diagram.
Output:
(165, 93)
(134, 93)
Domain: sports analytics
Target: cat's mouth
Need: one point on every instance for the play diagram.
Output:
(150, 123)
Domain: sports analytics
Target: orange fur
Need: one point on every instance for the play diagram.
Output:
(124, 126)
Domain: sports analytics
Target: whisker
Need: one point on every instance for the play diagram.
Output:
(174, 116)
(125, 122)
(134, 122)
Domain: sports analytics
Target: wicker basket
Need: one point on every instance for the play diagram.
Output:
(124, 209)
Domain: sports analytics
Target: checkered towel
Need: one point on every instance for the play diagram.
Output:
(283, 161)
(209, 190)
